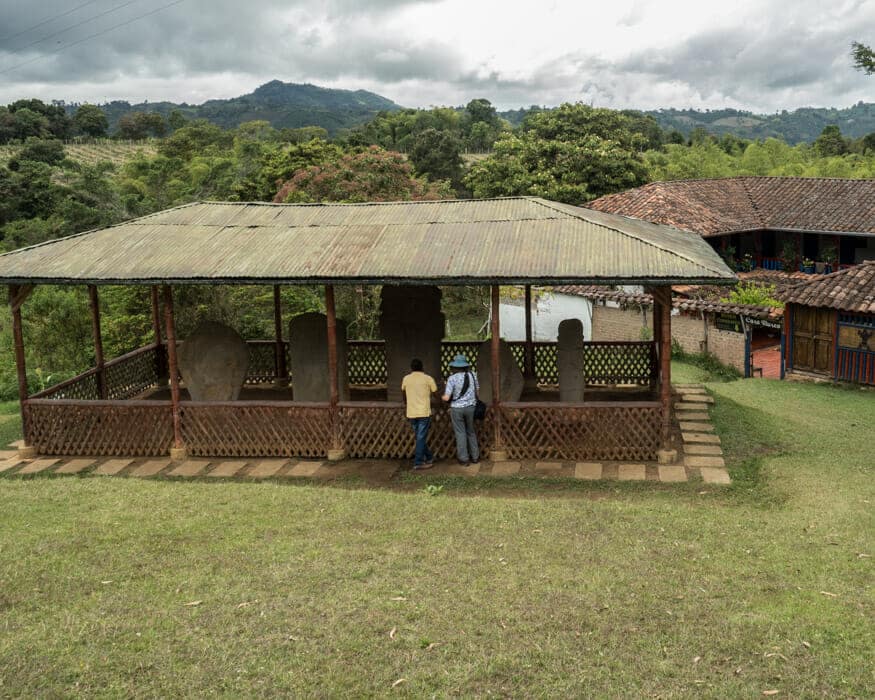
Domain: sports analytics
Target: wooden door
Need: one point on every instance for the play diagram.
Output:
(813, 334)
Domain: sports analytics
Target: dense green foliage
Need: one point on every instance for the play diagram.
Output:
(571, 154)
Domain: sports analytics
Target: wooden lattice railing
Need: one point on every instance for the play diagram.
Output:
(380, 430)
(256, 429)
(71, 427)
(594, 430)
(129, 375)
(126, 376)
(604, 362)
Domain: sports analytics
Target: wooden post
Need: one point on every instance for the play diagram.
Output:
(336, 453)
(531, 380)
(17, 295)
(498, 453)
(160, 349)
(178, 452)
(665, 363)
(99, 363)
(656, 322)
(282, 375)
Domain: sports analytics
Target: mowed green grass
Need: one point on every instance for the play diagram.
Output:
(113, 586)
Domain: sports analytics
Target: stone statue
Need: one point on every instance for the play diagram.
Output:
(308, 358)
(511, 378)
(412, 325)
(570, 360)
(213, 362)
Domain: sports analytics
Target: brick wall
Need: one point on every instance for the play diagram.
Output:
(610, 323)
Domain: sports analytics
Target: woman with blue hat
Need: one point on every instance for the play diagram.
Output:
(462, 392)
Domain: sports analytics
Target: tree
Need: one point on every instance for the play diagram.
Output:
(572, 154)
(90, 120)
(831, 142)
(435, 154)
(50, 151)
(374, 175)
(864, 57)
(140, 125)
(57, 123)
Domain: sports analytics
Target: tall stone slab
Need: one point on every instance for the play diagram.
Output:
(511, 378)
(213, 361)
(308, 358)
(412, 325)
(570, 360)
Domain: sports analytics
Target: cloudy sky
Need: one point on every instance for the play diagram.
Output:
(762, 55)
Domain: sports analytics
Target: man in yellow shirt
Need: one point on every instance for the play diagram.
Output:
(418, 388)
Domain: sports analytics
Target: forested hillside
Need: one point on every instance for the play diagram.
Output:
(282, 105)
(797, 126)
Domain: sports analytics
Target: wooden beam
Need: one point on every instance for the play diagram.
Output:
(173, 366)
(529, 368)
(282, 374)
(496, 371)
(16, 299)
(156, 315)
(18, 294)
(99, 364)
(665, 363)
(334, 391)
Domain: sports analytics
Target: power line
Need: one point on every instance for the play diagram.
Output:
(92, 36)
(78, 24)
(47, 20)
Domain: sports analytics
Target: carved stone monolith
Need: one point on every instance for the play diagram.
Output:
(413, 326)
(308, 358)
(511, 378)
(213, 361)
(570, 360)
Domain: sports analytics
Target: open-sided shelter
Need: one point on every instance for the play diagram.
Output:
(112, 408)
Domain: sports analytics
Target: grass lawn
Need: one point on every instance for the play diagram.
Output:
(114, 586)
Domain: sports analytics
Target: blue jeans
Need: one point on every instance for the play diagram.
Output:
(420, 427)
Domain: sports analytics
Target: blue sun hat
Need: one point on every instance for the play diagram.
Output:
(460, 362)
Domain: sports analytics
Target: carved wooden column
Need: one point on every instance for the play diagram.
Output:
(497, 453)
(336, 453)
(99, 363)
(178, 451)
(17, 295)
(282, 374)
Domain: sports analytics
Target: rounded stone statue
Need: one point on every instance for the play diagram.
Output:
(511, 378)
(570, 360)
(213, 361)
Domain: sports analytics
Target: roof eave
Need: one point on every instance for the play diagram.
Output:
(440, 281)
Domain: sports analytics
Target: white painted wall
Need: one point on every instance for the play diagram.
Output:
(547, 312)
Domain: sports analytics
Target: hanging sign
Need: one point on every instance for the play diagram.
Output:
(728, 322)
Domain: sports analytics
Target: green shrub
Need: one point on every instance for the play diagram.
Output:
(706, 361)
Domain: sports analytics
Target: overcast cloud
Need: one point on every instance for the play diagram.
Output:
(762, 55)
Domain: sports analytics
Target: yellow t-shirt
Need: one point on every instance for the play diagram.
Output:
(418, 388)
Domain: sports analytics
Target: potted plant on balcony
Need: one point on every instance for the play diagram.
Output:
(808, 266)
(828, 255)
(747, 263)
(788, 256)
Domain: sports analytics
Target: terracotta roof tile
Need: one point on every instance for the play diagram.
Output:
(719, 206)
(848, 290)
(597, 293)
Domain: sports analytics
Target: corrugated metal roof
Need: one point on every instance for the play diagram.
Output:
(512, 240)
